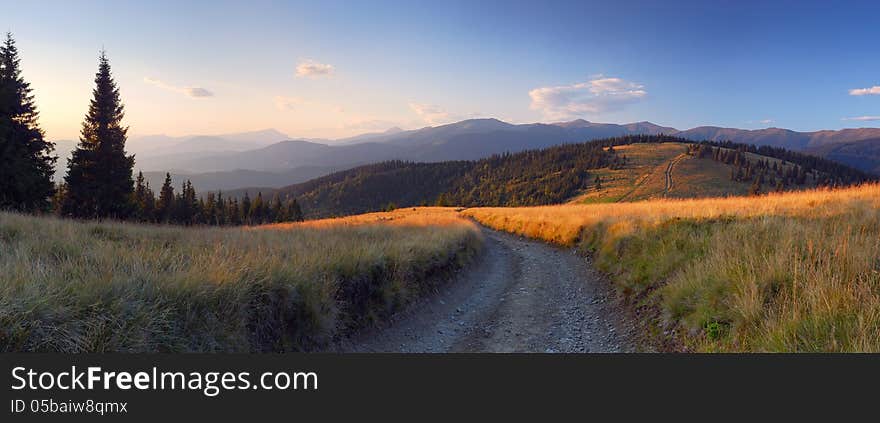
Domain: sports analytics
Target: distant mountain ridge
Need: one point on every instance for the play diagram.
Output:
(264, 155)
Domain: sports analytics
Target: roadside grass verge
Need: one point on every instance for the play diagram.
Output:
(796, 271)
(70, 286)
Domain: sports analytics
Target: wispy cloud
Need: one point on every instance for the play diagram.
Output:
(875, 90)
(313, 69)
(762, 121)
(598, 95)
(194, 92)
(288, 103)
(431, 114)
(863, 118)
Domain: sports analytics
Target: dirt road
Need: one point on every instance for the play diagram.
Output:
(669, 169)
(523, 296)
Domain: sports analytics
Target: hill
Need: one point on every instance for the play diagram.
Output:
(614, 169)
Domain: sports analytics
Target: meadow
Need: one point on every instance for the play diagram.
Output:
(796, 271)
(71, 286)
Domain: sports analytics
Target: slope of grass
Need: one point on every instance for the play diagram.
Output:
(797, 271)
(77, 287)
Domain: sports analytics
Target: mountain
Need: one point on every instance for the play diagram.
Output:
(165, 153)
(466, 140)
(260, 157)
(778, 137)
(863, 154)
(226, 180)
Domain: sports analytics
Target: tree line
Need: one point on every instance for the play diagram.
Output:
(99, 182)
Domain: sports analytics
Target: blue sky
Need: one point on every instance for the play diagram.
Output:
(332, 69)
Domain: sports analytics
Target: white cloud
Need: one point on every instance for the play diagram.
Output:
(864, 118)
(598, 95)
(875, 90)
(762, 121)
(431, 114)
(313, 69)
(194, 92)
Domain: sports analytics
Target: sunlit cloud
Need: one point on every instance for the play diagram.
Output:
(313, 69)
(431, 114)
(863, 118)
(761, 122)
(596, 96)
(875, 90)
(194, 92)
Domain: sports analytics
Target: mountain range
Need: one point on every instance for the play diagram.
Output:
(270, 159)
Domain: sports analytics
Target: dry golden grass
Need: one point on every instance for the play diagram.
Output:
(797, 271)
(412, 216)
(75, 287)
(563, 224)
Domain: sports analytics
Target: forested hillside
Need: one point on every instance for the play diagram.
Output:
(547, 176)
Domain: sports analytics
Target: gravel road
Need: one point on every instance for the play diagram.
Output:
(522, 296)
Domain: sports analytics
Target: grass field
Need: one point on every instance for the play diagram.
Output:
(644, 176)
(77, 287)
(797, 271)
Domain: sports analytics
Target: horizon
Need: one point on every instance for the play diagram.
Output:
(333, 71)
(393, 129)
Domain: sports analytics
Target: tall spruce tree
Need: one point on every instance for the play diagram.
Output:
(26, 161)
(165, 208)
(99, 175)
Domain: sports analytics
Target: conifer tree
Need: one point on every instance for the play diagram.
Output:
(294, 212)
(245, 210)
(26, 163)
(144, 199)
(278, 211)
(99, 175)
(165, 208)
(256, 212)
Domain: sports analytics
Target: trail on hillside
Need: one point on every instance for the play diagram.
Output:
(669, 168)
(523, 296)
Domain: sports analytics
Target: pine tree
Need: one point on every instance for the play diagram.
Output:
(187, 204)
(209, 209)
(220, 212)
(144, 200)
(99, 175)
(256, 211)
(26, 163)
(294, 212)
(245, 210)
(165, 208)
(278, 211)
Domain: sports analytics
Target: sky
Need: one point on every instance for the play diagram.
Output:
(333, 69)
